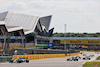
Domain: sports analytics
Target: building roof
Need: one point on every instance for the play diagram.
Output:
(2, 23)
(15, 21)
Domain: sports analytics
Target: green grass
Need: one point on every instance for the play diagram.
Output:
(99, 65)
(90, 64)
(98, 58)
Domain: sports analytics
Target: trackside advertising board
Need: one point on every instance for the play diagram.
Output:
(44, 45)
(97, 42)
(84, 46)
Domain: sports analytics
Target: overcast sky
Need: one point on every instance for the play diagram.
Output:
(79, 15)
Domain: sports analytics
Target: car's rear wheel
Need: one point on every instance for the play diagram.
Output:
(89, 58)
(76, 59)
(83, 58)
(27, 61)
(67, 59)
(11, 61)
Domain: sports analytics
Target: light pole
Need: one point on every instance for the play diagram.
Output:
(69, 45)
(70, 40)
(65, 39)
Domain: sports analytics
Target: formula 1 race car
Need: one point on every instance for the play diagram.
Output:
(72, 59)
(91, 55)
(19, 60)
(84, 55)
(98, 53)
(78, 57)
(86, 58)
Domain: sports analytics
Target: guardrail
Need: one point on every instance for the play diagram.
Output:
(23, 51)
(5, 58)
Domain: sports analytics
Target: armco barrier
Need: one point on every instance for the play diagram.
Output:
(5, 58)
(42, 56)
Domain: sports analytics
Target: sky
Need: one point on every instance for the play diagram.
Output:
(79, 15)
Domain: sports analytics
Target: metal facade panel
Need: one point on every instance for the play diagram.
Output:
(2, 16)
(17, 19)
(45, 21)
(28, 22)
(39, 26)
(15, 28)
(2, 23)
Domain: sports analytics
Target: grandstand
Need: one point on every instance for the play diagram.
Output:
(18, 30)
(89, 43)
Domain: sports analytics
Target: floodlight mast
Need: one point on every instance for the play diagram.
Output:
(65, 39)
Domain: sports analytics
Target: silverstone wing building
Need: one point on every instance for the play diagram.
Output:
(23, 30)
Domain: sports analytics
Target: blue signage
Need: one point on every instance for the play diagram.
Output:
(49, 45)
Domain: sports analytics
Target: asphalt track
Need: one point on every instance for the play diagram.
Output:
(52, 62)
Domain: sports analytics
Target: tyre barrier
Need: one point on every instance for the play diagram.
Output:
(43, 56)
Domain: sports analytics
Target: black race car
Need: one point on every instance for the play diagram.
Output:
(98, 53)
(84, 55)
(78, 57)
(86, 58)
(91, 55)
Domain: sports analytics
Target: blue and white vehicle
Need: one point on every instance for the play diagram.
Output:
(19, 60)
(72, 59)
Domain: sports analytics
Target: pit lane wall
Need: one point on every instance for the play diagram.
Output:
(43, 56)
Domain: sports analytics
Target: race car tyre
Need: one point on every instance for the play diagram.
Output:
(76, 59)
(83, 58)
(11, 61)
(27, 61)
(89, 58)
(67, 59)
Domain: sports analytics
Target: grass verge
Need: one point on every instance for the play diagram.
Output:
(98, 58)
(90, 64)
(99, 65)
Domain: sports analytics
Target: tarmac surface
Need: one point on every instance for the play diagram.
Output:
(53, 62)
